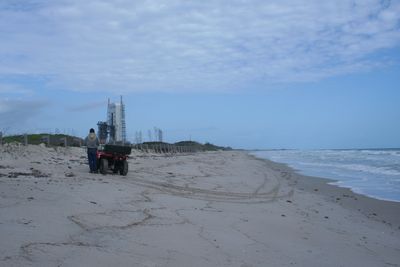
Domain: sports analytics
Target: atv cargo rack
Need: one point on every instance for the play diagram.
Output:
(124, 150)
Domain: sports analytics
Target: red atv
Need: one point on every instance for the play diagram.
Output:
(113, 157)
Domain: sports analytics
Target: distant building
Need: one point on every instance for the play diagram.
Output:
(116, 119)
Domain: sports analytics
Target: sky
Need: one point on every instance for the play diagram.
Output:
(305, 74)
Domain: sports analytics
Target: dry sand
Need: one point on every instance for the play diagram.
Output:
(204, 209)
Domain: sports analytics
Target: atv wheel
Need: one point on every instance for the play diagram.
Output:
(103, 166)
(124, 168)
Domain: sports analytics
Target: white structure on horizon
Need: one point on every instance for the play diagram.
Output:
(116, 117)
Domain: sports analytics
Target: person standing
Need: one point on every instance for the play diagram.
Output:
(92, 142)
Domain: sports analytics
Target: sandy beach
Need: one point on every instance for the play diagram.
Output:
(202, 209)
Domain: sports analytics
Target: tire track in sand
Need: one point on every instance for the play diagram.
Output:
(215, 195)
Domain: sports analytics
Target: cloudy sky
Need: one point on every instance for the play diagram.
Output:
(250, 74)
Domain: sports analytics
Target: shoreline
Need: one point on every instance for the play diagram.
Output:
(386, 211)
(351, 173)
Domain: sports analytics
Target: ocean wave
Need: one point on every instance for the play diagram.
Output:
(374, 173)
(395, 153)
(355, 167)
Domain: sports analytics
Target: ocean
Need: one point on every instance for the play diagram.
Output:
(371, 172)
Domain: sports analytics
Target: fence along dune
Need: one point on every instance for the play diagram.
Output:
(147, 147)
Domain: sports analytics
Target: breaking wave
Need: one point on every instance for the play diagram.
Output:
(372, 172)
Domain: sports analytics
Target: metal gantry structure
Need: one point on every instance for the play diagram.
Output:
(114, 129)
(123, 124)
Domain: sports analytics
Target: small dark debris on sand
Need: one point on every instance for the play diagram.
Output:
(35, 173)
(5, 167)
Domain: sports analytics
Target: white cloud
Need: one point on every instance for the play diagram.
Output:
(179, 45)
(87, 106)
(14, 89)
(16, 113)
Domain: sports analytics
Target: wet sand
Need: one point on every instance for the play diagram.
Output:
(204, 209)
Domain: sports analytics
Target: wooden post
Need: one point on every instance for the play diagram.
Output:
(45, 139)
(25, 139)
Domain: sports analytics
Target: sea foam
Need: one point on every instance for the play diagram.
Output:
(372, 172)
